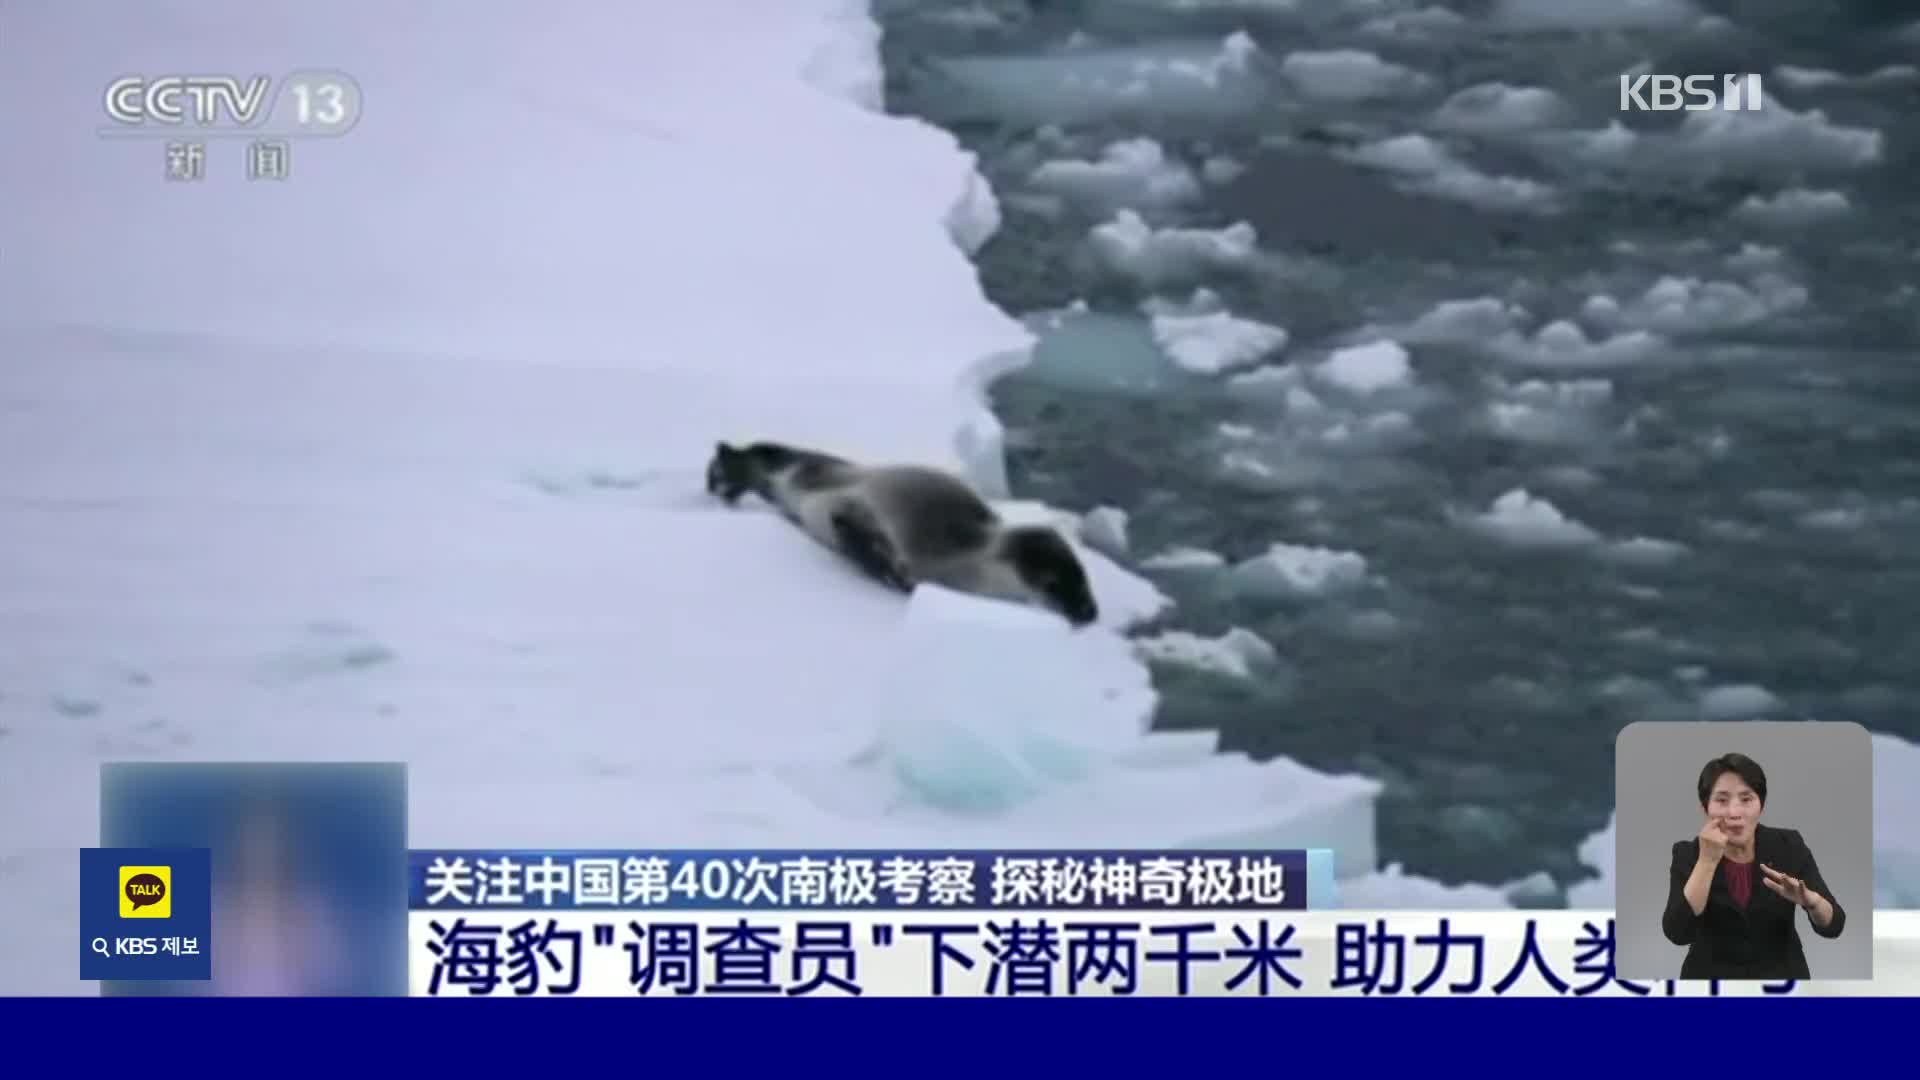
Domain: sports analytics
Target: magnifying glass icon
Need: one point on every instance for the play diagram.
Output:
(100, 946)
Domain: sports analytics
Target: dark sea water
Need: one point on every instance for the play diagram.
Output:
(1763, 431)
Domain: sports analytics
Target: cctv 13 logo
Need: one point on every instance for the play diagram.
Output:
(146, 892)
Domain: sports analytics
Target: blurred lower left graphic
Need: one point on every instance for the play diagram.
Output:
(268, 880)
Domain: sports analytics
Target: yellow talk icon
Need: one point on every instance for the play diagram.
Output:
(146, 892)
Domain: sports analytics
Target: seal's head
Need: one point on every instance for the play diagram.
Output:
(729, 473)
(1046, 564)
(737, 470)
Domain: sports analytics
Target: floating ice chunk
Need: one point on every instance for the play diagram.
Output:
(1515, 194)
(1231, 5)
(1806, 78)
(1126, 599)
(1349, 75)
(1221, 170)
(1418, 23)
(1739, 702)
(1366, 432)
(1795, 206)
(1596, 853)
(1371, 625)
(1404, 154)
(1100, 352)
(1128, 245)
(1562, 344)
(1303, 401)
(1248, 465)
(1613, 144)
(1537, 889)
(1773, 140)
(1680, 305)
(1593, 15)
(1424, 166)
(1211, 343)
(1294, 568)
(1567, 343)
(1520, 519)
(1463, 322)
(1840, 518)
(1266, 379)
(1550, 413)
(1499, 108)
(1525, 421)
(1184, 558)
(1367, 369)
(1236, 55)
(951, 750)
(970, 16)
(1238, 652)
(1566, 394)
(1130, 172)
(1105, 530)
(1202, 301)
(1892, 73)
(1645, 551)
(1085, 82)
(1756, 259)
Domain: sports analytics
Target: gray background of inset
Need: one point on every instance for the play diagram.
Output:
(1819, 781)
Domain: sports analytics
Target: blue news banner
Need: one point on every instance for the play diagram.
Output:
(898, 923)
(969, 923)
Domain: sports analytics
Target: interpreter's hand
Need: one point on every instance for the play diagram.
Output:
(1713, 841)
(1792, 888)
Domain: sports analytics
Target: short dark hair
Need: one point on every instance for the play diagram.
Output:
(1740, 765)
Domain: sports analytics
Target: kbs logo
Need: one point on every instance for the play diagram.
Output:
(146, 892)
(1693, 93)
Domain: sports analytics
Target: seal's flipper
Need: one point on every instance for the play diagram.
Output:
(863, 541)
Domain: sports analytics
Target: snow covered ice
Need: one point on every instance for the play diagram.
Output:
(400, 459)
(1775, 140)
(1172, 255)
(1497, 108)
(1425, 166)
(1129, 172)
(1596, 14)
(1236, 653)
(1369, 368)
(1205, 340)
(1215, 77)
(1349, 75)
(1522, 519)
(1793, 207)
(1298, 568)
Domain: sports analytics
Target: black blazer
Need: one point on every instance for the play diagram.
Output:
(1762, 942)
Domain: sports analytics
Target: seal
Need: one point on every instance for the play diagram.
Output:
(906, 524)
